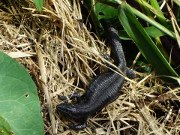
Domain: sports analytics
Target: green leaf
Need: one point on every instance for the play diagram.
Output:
(104, 11)
(112, 3)
(19, 102)
(152, 32)
(89, 5)
(145, 44)
(5, 128)
(155, 9)
(153, 22)
(101, 9)
(39, 4)
(177, 2)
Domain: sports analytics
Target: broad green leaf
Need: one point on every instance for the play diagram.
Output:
(5, 128)
(104, 11)
(147, 47)
(19, 102)
(112, 3)
(39, 4)
(152, 32)
(101, 9)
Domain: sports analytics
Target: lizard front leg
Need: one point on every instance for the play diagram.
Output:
(77, 127)
(73, 96)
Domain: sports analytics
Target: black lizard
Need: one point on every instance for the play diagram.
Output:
(104, 89)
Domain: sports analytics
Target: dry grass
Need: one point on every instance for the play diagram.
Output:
(40, 41)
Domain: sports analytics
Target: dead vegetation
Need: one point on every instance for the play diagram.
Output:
(63, 56)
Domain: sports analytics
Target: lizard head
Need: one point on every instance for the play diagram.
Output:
(69, 110)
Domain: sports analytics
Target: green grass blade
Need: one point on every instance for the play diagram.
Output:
(177, 2)
(143, 41)
(152, 32)
(145, 18)
(39, 4)
(153, 22)
(160, 15)
(154, 8)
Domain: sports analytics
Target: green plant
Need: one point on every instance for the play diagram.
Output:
(146, 36)
(19, 102)
(39, 4)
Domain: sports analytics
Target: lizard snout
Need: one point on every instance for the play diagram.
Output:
(66, 108)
